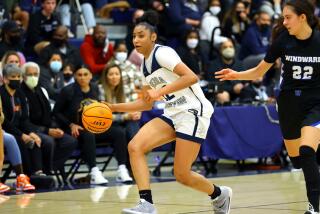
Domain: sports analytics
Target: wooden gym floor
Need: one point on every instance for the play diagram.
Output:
(275, 193)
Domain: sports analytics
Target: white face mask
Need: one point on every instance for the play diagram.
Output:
(192, 43)
(215, 10)
(56, 66)
(121, 56)
(32, 82)
(228, 53)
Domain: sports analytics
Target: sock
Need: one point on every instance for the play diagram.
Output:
(216, 193)
(18, 169)
(311, 175)
(296, 163)
(146, 195)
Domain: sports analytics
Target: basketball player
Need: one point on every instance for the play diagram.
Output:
(296, 43)
(186, 119)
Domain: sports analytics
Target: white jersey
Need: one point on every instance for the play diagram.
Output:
(158, 72)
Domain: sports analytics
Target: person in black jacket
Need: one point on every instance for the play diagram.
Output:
(16, 120)
(40, 116)
(66, 112)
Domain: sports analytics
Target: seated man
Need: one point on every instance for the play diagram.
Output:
(96, 50)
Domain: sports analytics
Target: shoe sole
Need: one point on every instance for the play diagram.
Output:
(127, 211)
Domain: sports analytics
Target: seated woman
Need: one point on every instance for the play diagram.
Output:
(66, 112)
(112, 91)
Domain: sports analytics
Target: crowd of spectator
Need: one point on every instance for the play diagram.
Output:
(45, 79)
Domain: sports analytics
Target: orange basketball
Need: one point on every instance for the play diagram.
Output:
(96, 117)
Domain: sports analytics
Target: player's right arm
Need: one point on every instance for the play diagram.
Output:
(250, 74)
(138, 105)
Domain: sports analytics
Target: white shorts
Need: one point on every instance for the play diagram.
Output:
(188, 126)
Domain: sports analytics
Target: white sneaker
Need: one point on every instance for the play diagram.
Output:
(143, 207)
(123, 175)
(221, 205)
(70, 34)
(97, 177)
(310, 210)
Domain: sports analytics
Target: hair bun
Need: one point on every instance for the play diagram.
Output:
(150, 16)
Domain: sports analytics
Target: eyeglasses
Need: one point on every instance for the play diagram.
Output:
(32, 74)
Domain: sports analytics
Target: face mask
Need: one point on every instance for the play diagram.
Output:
(58, 42)
(228, 53)
(121, 56)
(67, 77)
(15, 39)
(55, 66)
(192, 43)
(215, 10)
(32, 82)
(14, 84)
(264, 28)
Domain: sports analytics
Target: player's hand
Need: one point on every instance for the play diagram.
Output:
(226, 74)
(152, 95)
(36, 138)
(134, 115)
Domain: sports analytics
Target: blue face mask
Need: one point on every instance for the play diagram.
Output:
(55, 66)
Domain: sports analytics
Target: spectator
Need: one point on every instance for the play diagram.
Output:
(16, 120)
(112, 90)
(131, 76)
(210, 22)
(41, 26)
(11, 38)
(16, 13)
(255, 41)
(59, 44)
(68, 71)
(10, 57)
(87, 11)
(96, 50)
(14, 156)
(3, 187)
(236, 22)
(226, 91)
(190, 53)
(66, 112)
(255, 91)
(41, 117)
(51, 76)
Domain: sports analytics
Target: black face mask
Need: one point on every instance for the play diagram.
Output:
(15, 39)
(264, 28)
(67, 77)
(14, 84)
(58, 42)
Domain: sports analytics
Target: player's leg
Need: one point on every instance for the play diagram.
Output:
(308, 146)
(153, 134)
(292, 147)
(182, 170)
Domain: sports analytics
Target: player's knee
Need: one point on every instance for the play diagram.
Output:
(295, 161)
(182, 176)
(306, 151)
(134, 148)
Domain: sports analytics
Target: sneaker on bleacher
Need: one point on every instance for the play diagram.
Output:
(23, 183)
(123, 174)
(97, 177)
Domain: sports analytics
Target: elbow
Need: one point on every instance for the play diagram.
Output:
(194, 79)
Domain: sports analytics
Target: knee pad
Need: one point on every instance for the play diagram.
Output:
(306, 151)
(296, 163)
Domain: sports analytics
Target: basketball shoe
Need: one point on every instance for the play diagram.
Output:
(4, 188)
(23, 183)
(221, 204)
(310, 210)
(123, 175)
(143, 207)
(97, 177)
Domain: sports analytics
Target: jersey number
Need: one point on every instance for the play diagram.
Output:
(304, 73)
(168, 97)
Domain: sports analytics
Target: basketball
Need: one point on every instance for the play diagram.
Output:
(96, 117)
